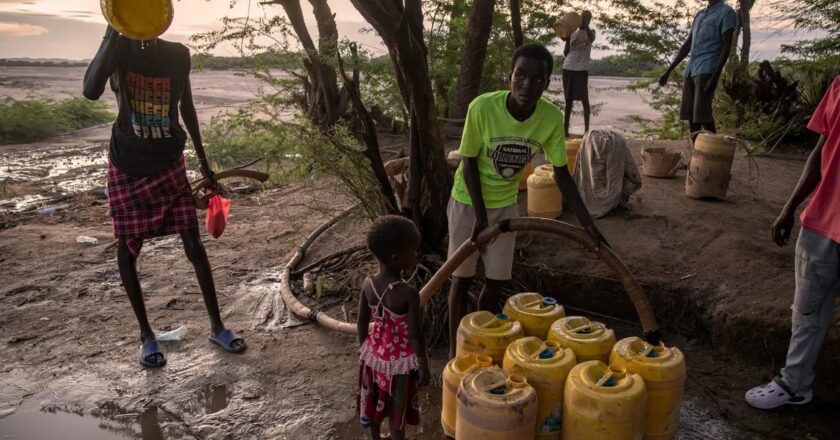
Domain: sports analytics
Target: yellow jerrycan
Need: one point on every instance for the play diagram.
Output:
(526, 173)
(590, 340)
(535, 312)
(545, 365)
(603, 403)
(572, 149)
(454, 371)
(485, 333)
(567, 24)
(138, 20)
(544, 197)
(663, 369)
(495, 406)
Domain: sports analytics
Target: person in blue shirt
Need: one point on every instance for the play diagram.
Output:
(709, 44)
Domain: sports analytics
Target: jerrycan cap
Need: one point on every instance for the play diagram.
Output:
(548, 353)
(549, 301)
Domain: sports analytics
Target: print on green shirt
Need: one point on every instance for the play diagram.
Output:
(504, 146)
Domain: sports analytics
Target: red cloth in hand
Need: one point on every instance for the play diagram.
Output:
(217, 215)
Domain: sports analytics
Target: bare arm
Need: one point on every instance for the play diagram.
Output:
(811, 176)
(363, 321)
(567, 46)
(415, 333)
(590, 34)
(190, 117)
(685, 49)
(102, 66)
(570, 193)
(473, 180)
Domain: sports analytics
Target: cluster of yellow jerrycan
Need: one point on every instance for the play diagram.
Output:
(561, 377)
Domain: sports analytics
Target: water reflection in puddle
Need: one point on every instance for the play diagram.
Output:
(215, 398)
(101, 424)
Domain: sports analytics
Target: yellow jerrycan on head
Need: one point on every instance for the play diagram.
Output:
(485, 333)
(590, 340)
(546, 366)
(663, 369)
(535, 312)
(495, 406)
(453, 373)
(138, 19)
(603, 403)
(567, 24)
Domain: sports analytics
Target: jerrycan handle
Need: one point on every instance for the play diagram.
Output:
(481, 361)
(604, 378)
(648, 349)
(579, 328)
(494, 385)
(531, 304)
(536, 354)
(499, 317)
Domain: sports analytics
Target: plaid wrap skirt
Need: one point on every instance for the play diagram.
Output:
(152, 206)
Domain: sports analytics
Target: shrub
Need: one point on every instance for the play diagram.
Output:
(39, 118)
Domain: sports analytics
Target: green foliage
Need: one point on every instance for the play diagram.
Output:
(263, 60)
(814, 15)
(617, 65)
(292, 149)
(447, 28)
(26, 62)
(245, 136)
(782, 120)
(39, 118)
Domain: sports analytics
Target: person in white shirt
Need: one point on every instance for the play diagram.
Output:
(578, 53)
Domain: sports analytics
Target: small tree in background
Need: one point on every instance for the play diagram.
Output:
(813, 15)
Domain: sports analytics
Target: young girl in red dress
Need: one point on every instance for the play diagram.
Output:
(393, 362)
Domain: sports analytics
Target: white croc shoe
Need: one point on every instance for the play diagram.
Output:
(772, 395)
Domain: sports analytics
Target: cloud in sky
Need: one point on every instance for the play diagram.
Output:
(13, 29)
(73, 28)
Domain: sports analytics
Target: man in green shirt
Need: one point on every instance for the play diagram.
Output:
(504, 130)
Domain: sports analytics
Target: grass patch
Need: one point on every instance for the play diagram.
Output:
(40, 118)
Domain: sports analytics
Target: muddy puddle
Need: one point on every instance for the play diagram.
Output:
(30, 178)
(108, 421)
(100, 424)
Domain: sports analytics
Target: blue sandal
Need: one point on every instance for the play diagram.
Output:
(149, 352)
(226, 338)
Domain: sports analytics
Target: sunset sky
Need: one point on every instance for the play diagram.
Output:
(72, 28)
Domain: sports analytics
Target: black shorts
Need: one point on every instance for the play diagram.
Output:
(575, 85)
(696, 103)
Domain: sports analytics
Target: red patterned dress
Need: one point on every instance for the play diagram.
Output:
(388, 369)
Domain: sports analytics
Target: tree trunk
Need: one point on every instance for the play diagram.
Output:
(516, 22)
(401, 29)
(372, 150)
(472, 60)
(323, 89)
(745, 6)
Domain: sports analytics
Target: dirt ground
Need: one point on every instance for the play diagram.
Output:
(721, 289)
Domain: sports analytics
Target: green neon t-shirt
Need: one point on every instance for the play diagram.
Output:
(504, 146)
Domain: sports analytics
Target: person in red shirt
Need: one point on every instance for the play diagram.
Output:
(817, 260)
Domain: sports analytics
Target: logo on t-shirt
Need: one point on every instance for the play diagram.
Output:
(510, 158)
(149, 100)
